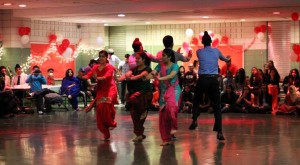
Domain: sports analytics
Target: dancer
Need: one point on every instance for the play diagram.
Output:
(106, 94)
(140, 94)
(208, 83)
(167, 102)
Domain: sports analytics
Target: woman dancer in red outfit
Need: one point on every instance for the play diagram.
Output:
(106, 94)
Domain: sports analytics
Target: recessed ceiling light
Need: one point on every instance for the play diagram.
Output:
(93, 20)
(276, 12)
(105, 24)
(121, 15)
(205, 17)
(193, 21)
(7, 4)
(147, 22)
(22, 5)
(242, 20)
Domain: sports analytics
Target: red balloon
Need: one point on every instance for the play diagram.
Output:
(295, 16)
(21, 31)
(298, 58)
(27, 30)
(224, 40)
(296, 49)
(61, 49)
(65, 42)
(257, 29)
(195, 41)
(263, 28)
(215, 42)
(52, 38)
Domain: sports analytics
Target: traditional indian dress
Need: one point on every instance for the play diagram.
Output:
(105, 99)
(139, 98)
(168, 102)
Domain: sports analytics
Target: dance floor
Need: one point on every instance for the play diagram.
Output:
(71, 138)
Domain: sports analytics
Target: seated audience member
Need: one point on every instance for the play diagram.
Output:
(70, 87)
(205, 104)
(256, 82)
(228, 80)
(6, 78)
(84, 86)
(292, 79)
(228, 99)
(265, 101)
(35, 81)
(9, 104)
(239, 79)
(50, 77)
(19, 79)
(244, 101)
(228, 66)
(291, 102)
(186, 100)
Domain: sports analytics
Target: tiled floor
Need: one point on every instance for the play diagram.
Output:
(71, 138)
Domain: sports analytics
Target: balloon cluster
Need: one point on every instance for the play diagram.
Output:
(62, 49)
(260, 30)
(24, 33)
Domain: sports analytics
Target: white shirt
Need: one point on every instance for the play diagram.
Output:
(113, 60)
(22, 79)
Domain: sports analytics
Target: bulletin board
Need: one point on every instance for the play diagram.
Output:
(236, 53)
(46, 58)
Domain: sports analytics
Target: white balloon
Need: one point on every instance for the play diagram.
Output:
(293, 57)
(59, 37)
(25, 39)
(100, 40)
(189, 32)
(261, 36)
(68, 52)
(218, 36)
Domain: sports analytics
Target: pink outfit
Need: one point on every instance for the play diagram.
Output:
(168, 115)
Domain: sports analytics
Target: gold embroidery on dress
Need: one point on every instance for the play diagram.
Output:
(104, 100)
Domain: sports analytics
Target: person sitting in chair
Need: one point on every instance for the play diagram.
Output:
(70, 87)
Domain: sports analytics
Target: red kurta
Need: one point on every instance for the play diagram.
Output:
(105, 99)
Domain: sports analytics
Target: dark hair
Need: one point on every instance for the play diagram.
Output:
(136, 45)
(206, 39)
(2, 67)
(105, 53)
(92, 61)
(168, 41)
(240, 76)
(50, 69)
(195, 63)
(35, 67)
(17, 66)
(297, 73)
(127, 55)
(170, 53)
(67, 72)
(145, 57)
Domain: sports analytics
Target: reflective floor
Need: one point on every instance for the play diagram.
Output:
(71, 138)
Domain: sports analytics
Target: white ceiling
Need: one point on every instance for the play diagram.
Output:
(138, 12)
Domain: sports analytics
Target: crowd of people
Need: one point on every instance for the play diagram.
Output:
(167, 88)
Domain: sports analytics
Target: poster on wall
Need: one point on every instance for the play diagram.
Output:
(235, 52)
(45, 56)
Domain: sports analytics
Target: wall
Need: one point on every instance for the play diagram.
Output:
(16, 52)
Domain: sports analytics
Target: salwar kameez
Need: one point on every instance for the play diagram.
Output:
(105, 99)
